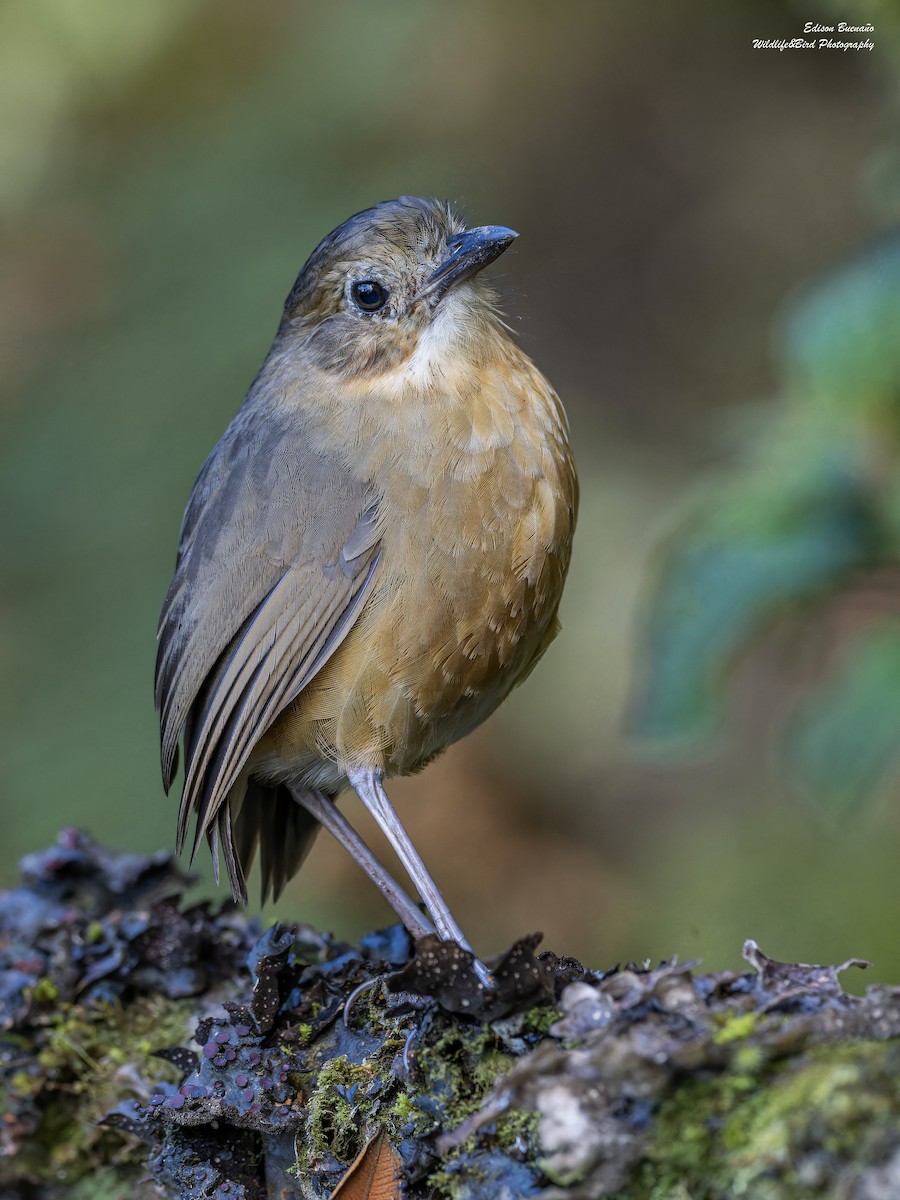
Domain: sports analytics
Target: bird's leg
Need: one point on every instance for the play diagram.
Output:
(367, 783)
(328, 815)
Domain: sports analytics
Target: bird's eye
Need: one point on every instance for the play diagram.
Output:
(369, 295)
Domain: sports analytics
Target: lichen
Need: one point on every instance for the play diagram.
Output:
(784, 1133)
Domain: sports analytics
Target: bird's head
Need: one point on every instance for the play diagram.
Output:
(388, 278)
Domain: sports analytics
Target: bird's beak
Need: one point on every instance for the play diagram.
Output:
(469, 252)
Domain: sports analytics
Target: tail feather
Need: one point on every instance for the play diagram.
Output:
(270, 820)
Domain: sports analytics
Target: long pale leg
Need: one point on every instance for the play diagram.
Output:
(328, 815)
(367, 783)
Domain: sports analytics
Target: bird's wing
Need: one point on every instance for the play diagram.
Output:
(278, 554)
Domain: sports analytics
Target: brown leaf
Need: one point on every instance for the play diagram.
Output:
(374, 1175)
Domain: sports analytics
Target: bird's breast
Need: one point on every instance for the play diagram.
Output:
(476, 495)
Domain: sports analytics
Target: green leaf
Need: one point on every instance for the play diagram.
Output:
(840, 345)
(731, 572)
(847, 738)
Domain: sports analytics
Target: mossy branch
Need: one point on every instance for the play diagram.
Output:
(155, 1050)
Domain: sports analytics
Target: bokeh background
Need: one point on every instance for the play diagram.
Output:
(166, 168)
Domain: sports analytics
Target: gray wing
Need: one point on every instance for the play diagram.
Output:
(278, 553)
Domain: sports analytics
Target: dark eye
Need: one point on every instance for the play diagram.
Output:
(369, 295)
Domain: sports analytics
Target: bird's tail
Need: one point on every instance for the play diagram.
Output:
(270, 819)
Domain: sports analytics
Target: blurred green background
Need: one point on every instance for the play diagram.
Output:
(166, 167)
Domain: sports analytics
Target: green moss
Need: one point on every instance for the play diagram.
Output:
(486, 1070)
(110, 1184)
(462, 1168)
(749, 1059)
(461, 1067)
(404, 1110)
(540, 1018)
(300, 1168)
(45, 991)
(516, 1125)
(19, 1084)
(740, 1135)
(464, 1063)
(842, 1093)
(449, 1182)
(562, 1179)
(333, 1121)
(736, 1028)
(453, 1073)
(79, 1076)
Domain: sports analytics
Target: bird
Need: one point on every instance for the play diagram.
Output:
(372, 556)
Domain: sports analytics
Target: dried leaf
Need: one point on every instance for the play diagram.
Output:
(374, 1175)
(793, 982)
